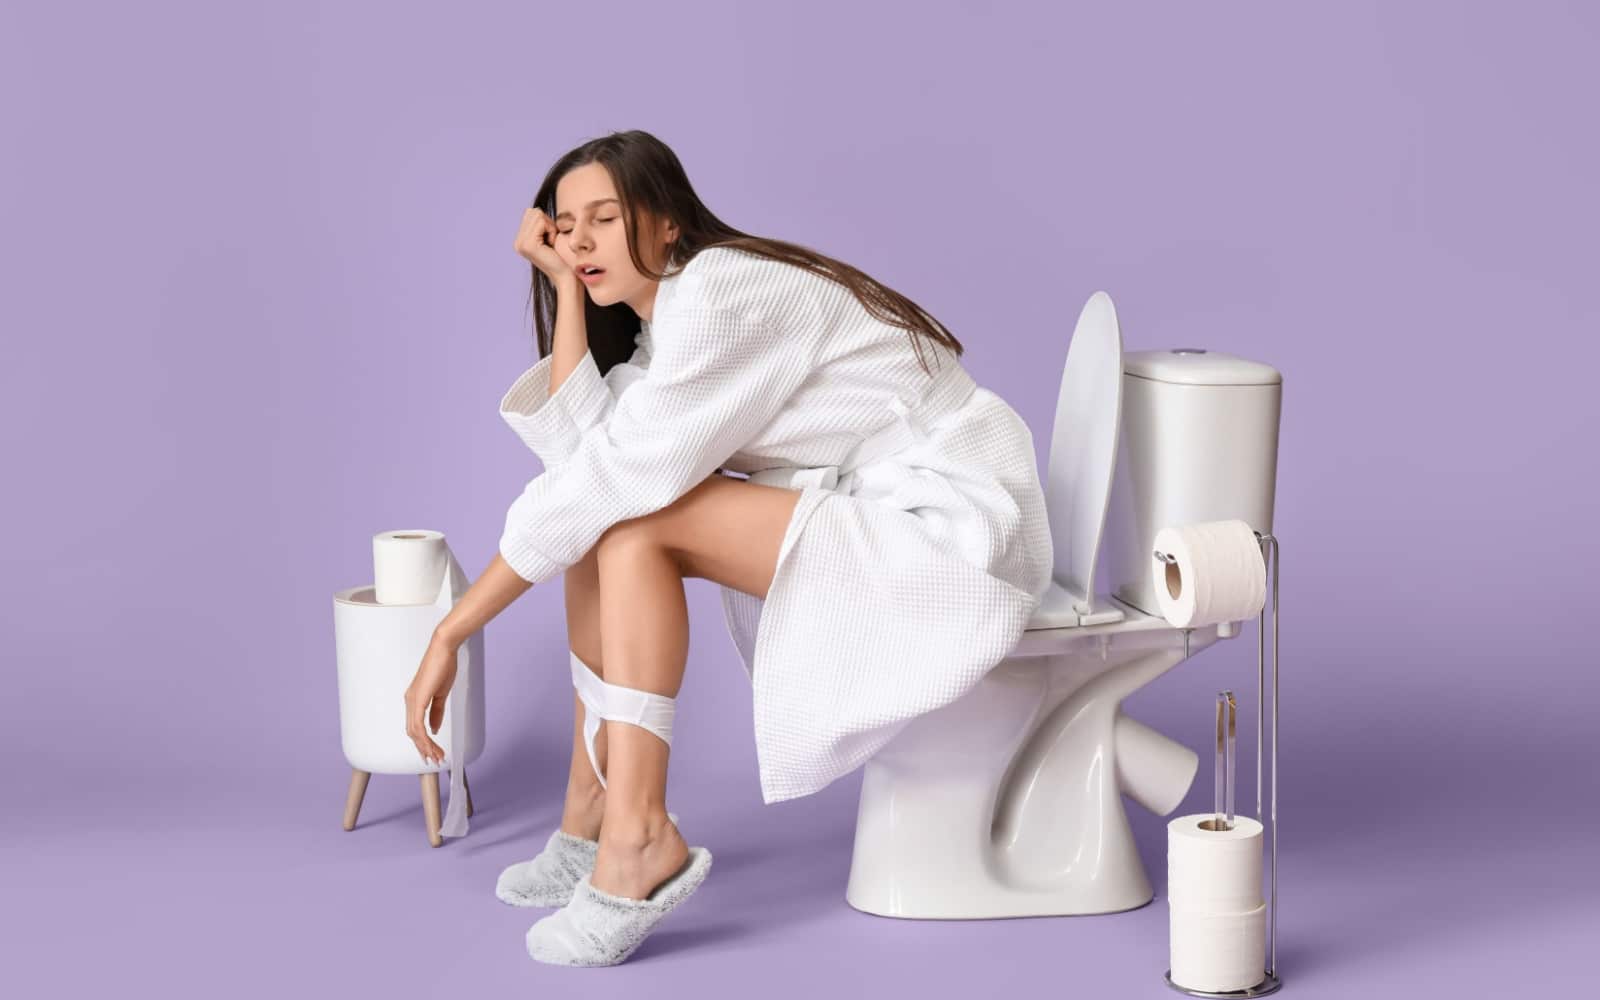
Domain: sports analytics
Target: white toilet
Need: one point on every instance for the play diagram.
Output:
(1007, 802)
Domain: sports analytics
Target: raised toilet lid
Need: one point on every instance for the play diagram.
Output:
(1083, 453)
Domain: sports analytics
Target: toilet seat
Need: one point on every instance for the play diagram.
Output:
(1061, 608)
(1043, 639)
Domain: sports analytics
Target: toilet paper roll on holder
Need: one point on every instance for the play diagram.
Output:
(1271, 982)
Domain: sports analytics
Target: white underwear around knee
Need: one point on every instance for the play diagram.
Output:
(645, 709)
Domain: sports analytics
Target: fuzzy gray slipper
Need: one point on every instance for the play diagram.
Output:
(548, 879)
(597, 928)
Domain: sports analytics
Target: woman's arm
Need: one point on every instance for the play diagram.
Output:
(489, 595)
(499, 585)
(572, 336)
(713, 384)
(549, 414)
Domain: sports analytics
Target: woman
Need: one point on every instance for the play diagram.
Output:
(885, 551)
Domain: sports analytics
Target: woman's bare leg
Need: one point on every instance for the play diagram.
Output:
(724, 530)
(586, 799)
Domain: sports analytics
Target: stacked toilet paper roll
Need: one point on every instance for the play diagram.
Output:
(408, 566)
(1215, 573)
(1217, 919)
(381, 633)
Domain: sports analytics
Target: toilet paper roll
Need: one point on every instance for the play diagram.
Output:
(378, 648)
(1216, 916)
(1214, 870)
(1218, 952)
(408, 566)
(1219, 575)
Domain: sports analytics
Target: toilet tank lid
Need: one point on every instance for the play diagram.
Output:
(1198, 366)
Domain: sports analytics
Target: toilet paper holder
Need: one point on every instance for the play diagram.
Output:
(1271, 982)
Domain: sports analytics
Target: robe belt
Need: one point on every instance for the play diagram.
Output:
(950, 388)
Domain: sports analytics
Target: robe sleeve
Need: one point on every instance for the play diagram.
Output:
(551, 426)
(719, 374)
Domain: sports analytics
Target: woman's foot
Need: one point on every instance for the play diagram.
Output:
(636, 857)
(601, 929)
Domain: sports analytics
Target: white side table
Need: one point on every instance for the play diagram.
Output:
(379, 647)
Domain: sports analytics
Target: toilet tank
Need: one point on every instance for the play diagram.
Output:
(1198, 442)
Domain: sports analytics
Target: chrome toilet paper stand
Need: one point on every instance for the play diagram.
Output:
(1271, 982)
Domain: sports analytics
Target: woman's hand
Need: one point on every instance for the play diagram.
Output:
(425, 697)
(536, 241)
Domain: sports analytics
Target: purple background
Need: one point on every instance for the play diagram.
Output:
(261, 303)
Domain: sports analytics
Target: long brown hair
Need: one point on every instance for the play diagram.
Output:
(648, 176)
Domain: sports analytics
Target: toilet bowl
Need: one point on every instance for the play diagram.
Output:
(1008, 801)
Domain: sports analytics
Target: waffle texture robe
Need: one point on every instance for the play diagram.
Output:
(917, 551)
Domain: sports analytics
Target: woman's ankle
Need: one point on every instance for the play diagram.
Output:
(583, 811)
(640, 829)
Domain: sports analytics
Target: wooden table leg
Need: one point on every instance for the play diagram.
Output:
(469, 790)
(430, 806)
(352, 801)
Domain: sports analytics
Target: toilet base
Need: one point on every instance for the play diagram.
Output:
(1008, 801)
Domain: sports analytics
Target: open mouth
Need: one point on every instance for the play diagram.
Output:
(591, 274)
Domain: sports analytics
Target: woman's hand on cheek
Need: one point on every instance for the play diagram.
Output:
(536, 242)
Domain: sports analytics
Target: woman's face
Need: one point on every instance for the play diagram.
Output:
(591, 232)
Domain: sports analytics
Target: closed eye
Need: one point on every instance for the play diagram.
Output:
(611, 219)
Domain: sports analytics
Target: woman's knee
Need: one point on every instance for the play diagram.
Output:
(626, 542)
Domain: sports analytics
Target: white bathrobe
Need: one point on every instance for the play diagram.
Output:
(919, 547)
